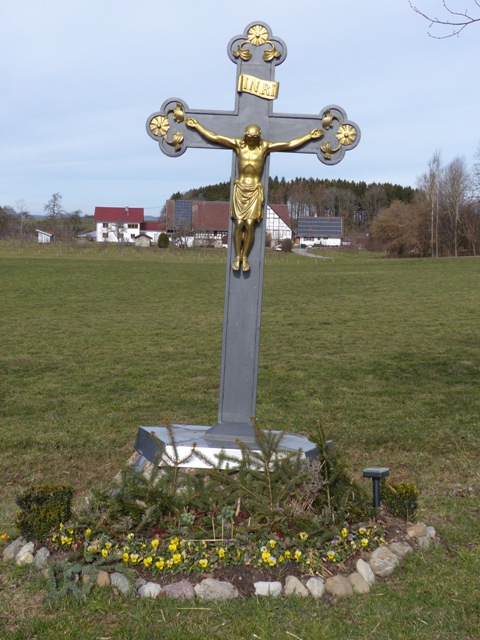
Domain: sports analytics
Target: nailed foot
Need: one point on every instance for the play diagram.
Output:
(245, 265)
(236, 264)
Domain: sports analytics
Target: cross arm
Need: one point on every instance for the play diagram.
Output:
(338, 134)
(169, 128)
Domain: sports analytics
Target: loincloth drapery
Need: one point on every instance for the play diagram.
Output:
(247, 202)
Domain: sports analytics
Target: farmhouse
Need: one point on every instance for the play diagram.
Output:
(207, 222)
(324, 230)
(125, 224)
(190, 222)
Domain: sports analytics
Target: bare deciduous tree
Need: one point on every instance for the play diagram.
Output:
(455, 187)
(457, 20)
(429, 182)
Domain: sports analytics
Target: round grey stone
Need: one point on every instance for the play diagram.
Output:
(182, 590)
(338, 587)
(10, 552)
(294, 587)
(120, 582)
(424, 542)
(211, 589)
(149, 590)
(358, 582)
(400, 549)
(383, 562)
(41, 558)
(269, 589)
(25, 555)
(316, 586)
(417, 530)
(365, 570)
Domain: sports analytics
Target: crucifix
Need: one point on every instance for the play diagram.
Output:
(252, 131)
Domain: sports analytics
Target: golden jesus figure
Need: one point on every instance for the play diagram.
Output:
(248, 198)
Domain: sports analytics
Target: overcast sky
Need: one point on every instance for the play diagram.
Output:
(80, 77)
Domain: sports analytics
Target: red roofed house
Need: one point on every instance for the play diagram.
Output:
(125, 224)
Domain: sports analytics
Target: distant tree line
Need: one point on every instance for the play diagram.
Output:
(443, 219)
(17, 223)
(357, 202)
(440, 217)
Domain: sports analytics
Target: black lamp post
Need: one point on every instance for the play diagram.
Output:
(376, 474)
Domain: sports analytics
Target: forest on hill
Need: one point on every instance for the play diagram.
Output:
(357, 202)
(440, 217)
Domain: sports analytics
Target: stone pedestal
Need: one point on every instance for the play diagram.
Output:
(153, 443)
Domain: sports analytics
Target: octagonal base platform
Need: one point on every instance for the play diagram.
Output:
(154, 444)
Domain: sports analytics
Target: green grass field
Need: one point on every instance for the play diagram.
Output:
(385, 354)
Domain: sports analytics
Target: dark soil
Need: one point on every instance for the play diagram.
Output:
(243, 577)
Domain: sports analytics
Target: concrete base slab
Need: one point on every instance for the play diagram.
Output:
(155, 445)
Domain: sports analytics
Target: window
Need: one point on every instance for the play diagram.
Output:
(132, 226)
(105, 225)
(105, 236)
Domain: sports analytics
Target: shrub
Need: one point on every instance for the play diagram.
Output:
(400, 499)
(287, 245)
(43, 508)
(163, 241)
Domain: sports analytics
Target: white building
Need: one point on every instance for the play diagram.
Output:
(319, 230)
(44, 237)
(124, 224)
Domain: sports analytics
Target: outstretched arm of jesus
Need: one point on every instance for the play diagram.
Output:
(297, 142)
(211, 136)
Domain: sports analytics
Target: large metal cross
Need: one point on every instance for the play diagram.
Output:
(177, 127)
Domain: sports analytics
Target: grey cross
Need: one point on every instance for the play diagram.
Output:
(256, 53)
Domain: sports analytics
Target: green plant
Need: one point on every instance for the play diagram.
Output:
(329, 487)
(163, 241)
(400, 499)
(43, 508)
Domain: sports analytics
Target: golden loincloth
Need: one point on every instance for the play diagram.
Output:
(247, 202)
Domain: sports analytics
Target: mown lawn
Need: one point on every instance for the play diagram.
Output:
(385, 354)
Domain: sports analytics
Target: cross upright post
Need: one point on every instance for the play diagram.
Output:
(252, 131)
